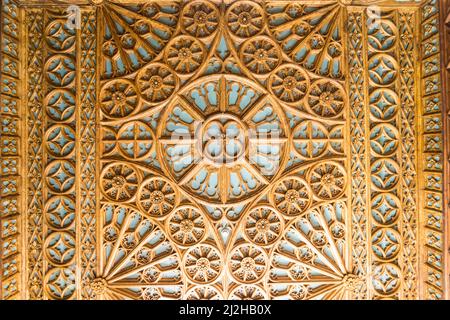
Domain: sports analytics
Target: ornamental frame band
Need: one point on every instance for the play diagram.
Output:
(224, 149)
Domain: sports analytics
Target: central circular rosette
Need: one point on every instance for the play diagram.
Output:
(223, 139)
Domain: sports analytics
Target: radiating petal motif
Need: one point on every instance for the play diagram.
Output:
(186, 226)
(245, 19)
(309, 261)
(134, 34)
(310, 35)
(157, 197)
(139, 261)
(200, 19)
(222, 139)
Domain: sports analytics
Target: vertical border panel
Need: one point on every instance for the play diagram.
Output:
(87, 152)
(34, 168)
(431, 144)
(357, 96)
(11, 190)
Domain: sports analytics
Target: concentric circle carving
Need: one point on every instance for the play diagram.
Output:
(291, 196)
(157, 197)
(327, 180)
(289, 83)
(260, 55)
(200, 19)
(245, 19)
(326, 98)
(263, 226)
(184, 54)
(118, 99)
(120, 181)
(203, 264)
(209, 133)
(186, 226)
(247, 263)
(156, 83)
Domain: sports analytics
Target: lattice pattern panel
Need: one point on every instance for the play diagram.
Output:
(222, 150)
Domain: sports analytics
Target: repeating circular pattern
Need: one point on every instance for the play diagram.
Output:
(384, 139)
(60, 140)
(60, 176)
(289, 83)
(59, 36)
(260, 55)
(156, 83)
(60, 212)
(385, 174)
(118, 99)
(386, 244)
(291, 196)
(383, 70)
(385, 209)
(247, 263)
(53, 244)
(263, 226)
(157, 197)
(203, 264)
(186, 226)
(60, 70)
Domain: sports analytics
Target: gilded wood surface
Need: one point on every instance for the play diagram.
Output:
(222, 150)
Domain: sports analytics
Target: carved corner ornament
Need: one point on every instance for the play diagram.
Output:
(214, 149)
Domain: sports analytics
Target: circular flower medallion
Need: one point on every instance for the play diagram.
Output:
(289, 83)
(119, 182)
(118, 99)
(260, 55)
(327, 180)
(245, 19)
(157, 197)
(263, 226)
(184, 54)
(291, 196)
(203, 264)
(186, 226)
(156, 83)
(247, 263)
(326, 98)
(200, 19)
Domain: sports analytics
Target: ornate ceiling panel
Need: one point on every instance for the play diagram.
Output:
(223, 150)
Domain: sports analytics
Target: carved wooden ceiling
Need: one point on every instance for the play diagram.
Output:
(223, 150)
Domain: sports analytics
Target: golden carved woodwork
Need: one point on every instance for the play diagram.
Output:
(214, 149)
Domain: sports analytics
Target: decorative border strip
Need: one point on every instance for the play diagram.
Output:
(359, 183)
(408, 141)
(432, 207)
(10, 153)
(87, 153)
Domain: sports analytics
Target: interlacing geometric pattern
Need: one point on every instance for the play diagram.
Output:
(213, 149)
